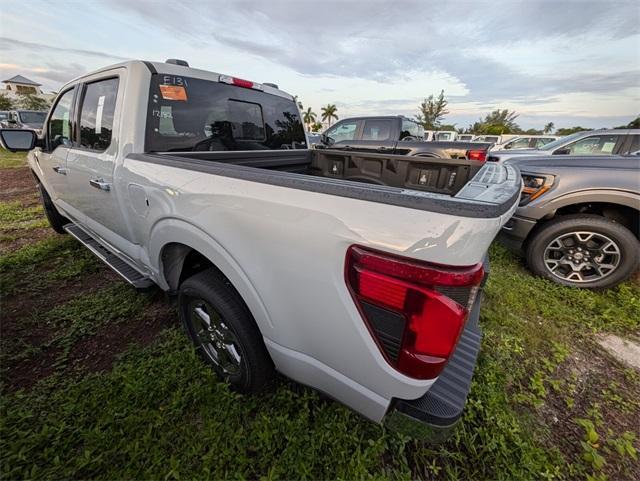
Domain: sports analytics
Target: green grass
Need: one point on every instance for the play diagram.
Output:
(161, 414)
(13, 215)
(11, 160)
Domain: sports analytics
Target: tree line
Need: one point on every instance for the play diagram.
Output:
(433, 109)
(24, 102)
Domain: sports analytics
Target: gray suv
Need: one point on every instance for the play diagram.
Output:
(578, 219)
(591, 142)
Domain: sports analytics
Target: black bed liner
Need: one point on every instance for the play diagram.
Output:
(295, 169)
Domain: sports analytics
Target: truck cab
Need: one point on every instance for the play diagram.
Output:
(373, 134)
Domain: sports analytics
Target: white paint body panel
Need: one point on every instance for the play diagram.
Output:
(282, 248)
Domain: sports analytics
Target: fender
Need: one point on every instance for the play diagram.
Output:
(171, 230)
(609, 196)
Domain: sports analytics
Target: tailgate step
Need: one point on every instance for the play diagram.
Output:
(439, 410)
(124, 269)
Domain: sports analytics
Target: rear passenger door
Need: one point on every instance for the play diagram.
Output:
(377, 136)
(92, 161)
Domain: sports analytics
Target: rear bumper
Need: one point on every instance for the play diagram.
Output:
(515, 232)
(434, 416)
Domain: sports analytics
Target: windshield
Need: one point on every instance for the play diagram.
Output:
(557, 143)
(189, 114)
(32, 117)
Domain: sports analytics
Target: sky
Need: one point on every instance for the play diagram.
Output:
(571, 62)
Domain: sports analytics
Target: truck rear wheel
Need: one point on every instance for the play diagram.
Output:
(224, 332)
(583, 250)
(56, 220)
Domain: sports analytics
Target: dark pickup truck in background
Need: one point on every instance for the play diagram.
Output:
(396, 135)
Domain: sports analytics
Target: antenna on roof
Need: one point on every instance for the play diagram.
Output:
(177, 61)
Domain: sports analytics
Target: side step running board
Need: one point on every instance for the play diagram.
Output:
(125, 270)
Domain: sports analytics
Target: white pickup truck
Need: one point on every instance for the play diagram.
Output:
(356, 274)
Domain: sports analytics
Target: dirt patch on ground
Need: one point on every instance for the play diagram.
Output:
(98, 352)
(13, 240)
(92, 353)
(16, 184)
(594, 387)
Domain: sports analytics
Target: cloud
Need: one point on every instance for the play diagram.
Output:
(9, 44)
(382, 41)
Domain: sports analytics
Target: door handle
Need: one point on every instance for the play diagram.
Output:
(347, 147)
(100, 184)
(60, 170)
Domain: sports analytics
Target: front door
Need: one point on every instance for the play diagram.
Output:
(58, 137)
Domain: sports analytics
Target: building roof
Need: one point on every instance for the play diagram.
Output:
(19, 79)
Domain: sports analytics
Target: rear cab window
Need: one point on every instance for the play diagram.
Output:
(411, 129)
(377, 129)
(189, 114)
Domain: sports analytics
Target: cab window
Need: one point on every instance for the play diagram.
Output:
(521, 143)
(96, 114)
(376, 129)
(594, 145)
(343, 131)
(411, 129)
(59, 128)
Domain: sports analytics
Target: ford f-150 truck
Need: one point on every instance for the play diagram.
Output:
(358, 274)
(397, 135)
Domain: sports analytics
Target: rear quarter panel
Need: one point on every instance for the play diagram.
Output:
(284, 250)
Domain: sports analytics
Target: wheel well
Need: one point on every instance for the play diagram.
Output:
(179, 262)
(626, 216)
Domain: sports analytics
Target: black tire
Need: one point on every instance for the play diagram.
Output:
(233, 326)
(56, 220)
(624, 256)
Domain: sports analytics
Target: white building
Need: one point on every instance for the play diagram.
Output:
(19, 85)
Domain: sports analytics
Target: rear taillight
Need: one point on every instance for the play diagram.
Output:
(480, 155)
(238, 82)
(415, 310)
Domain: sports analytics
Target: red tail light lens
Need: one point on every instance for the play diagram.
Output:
(238, 82)
(415, 293)
(480, 155)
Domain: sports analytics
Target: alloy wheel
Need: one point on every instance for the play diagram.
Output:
(216, 339)
(582, 256)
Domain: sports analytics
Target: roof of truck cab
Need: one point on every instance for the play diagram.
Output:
(178, 70)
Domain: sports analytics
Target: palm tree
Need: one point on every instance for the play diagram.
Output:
(309, 118)
(329, 113)
(548, 128)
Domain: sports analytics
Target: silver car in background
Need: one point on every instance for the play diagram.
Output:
(590, 142)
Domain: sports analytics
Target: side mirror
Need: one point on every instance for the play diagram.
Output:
(18, 140)
(12, 121)
(326, 140)
(563, 151)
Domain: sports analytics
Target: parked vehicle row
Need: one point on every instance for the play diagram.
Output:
(358, 273)
(592, 142)
(23, 119)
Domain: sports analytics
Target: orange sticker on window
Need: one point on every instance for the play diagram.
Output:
(173, 92)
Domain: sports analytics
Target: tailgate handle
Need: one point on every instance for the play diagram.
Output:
(60, 170)
(100, 184)
(383, 149)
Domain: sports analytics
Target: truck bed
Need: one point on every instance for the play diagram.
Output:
(459, 186)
